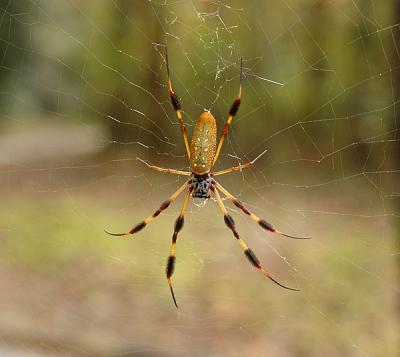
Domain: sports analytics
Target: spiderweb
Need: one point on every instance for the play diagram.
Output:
(83, 95)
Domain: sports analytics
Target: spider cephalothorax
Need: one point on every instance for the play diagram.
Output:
(200, 185)
(203, 154)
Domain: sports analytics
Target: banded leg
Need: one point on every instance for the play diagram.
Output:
(247, 251)
(240, 167)
(177, 107)
(232, 112)
(163, 170)
(171, 259)
(262, 222)
(144, 223)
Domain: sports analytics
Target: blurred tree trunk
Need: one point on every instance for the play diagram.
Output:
(312, 89)
(395, 65)
(137, 13)
(17, 34)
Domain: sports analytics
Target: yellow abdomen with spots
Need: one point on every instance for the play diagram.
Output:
(204, 140)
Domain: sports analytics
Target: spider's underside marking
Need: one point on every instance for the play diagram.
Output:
(201, 184)
(203, 154)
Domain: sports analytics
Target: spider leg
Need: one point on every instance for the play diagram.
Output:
(171, 259)
(240, 167)
(144, 223)
(177, 106)
(262, 222)
(247, 251)
(163, 170)
(232, 112)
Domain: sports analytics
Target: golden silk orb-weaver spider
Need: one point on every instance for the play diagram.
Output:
(203, 154)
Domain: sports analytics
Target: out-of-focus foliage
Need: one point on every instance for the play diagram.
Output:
(322, 52)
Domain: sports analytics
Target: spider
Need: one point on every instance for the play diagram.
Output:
(203, 153)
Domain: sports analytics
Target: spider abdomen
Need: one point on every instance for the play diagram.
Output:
(204, 140)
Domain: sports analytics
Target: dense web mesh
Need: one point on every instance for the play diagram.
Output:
(83, 95)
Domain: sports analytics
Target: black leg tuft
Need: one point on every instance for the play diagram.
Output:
(252, 258)
(170, 266)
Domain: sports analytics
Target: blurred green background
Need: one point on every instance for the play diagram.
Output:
(83, 94)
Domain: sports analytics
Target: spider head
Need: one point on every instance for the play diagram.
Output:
(200, 186)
